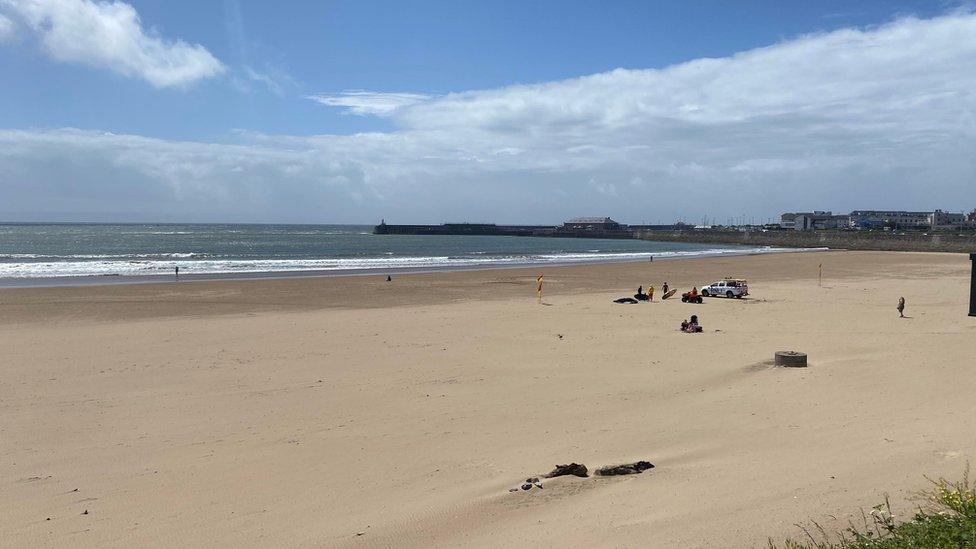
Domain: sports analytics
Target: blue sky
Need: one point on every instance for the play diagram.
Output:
(425, 47)
(424, 111)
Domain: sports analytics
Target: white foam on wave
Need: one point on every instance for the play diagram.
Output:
(104, 266)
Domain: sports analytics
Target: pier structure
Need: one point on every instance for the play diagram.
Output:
(465, 229)
(580, 227)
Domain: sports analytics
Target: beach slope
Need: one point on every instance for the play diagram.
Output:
(357, 412)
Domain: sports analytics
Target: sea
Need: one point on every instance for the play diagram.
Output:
(74, 251)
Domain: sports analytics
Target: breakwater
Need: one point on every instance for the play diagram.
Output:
(465, 229)
(490, 229)
(507, 230)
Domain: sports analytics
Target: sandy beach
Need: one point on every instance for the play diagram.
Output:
(353, 412)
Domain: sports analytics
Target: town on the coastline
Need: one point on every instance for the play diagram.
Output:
(606, 227)
(878, 219)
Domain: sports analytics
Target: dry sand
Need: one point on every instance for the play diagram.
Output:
(355, 412)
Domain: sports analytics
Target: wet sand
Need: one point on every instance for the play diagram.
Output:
(354, 412)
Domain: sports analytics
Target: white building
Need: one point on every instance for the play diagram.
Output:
(945, 220)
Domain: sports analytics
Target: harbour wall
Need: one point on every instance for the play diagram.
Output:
(505, 230)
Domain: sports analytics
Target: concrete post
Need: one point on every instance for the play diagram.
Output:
(972, 288)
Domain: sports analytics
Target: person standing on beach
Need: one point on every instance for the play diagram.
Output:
(664, 288)
(177, 268)
(901, 307)
(650, 292)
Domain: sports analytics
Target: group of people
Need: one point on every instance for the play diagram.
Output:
(649, 296)
(688, 326)
(692, 326)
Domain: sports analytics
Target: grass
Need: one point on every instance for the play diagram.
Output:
(946, 518)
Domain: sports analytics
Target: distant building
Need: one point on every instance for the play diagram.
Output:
(787, 220)
(806, 221)
(877, 219)
(896, 219)
(592, 224)
(841, 221)
(945, 220)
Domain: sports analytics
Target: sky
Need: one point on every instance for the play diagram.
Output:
(494, 111)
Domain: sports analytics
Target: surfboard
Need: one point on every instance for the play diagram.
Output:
(670, 293)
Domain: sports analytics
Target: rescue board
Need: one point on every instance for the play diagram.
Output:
(670, 293)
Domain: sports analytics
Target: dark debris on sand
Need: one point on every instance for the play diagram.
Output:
(580, 470)
(575, 469)
(625, 469)
(531, 482)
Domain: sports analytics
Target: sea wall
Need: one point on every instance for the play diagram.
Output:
(850, 240)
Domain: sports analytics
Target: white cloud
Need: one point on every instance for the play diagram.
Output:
(7, 31)
(883, 117)
(265, 79)
(273, 79)
(361, 102)
(110, 35)
(77, 172)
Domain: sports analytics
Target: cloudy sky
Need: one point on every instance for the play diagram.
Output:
(507, 111)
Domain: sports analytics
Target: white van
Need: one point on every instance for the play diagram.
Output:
(730, 287)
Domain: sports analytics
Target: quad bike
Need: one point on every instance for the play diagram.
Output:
(688, 298)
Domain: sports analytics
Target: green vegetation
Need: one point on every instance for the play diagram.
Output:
(946, 519)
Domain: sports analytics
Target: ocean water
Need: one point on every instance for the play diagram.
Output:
(78, 250)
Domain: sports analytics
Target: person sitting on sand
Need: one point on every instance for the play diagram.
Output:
(684, 325)
(693, 327)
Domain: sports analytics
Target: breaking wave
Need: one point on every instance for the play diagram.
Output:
(40, 266)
